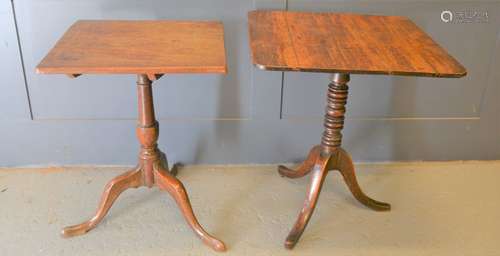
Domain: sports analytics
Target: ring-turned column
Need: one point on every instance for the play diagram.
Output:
(334, 113)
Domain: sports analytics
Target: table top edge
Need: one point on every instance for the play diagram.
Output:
(361, 72)
(110, 71)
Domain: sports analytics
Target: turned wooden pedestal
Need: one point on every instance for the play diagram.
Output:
(148, 49)
(341, 44)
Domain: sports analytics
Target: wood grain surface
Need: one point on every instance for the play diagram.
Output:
(138, 47)
(346, 43)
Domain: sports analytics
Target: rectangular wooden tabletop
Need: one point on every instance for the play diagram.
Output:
(138, 47)
(346, 43)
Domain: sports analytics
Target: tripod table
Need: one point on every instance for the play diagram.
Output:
(341, 44)
(147, 49)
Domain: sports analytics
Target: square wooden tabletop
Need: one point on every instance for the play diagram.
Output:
(138, 47)
(346, 43)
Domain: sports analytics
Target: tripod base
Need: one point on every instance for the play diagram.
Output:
(152, 170)
(165, 180)
(318, 164)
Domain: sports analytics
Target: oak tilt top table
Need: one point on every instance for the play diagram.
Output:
(148, 49)
(341, 44)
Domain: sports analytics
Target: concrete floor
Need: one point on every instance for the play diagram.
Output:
(450, 208)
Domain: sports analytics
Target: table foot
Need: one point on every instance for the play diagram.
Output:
(167, 182)
(130, 179)
(346, 168)
(318, 174)
(304, 168)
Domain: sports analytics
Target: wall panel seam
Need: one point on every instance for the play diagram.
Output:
(21, 57)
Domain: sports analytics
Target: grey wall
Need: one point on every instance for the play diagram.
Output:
(248, 116)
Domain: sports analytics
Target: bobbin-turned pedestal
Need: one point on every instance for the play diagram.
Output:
(326, 157)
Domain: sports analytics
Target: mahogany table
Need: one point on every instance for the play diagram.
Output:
(341, 44)
(148, 49)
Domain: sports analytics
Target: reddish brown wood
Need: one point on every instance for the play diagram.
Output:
(328, 156)
(341, 43)
(335, 110)
(152, 170)
(346, 167)
(149, 49)
(338, 160)
(138, 47)
(304, 168)
(130, 179)
(319, 171)
(167, 182)
(346, 43)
